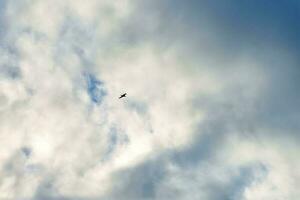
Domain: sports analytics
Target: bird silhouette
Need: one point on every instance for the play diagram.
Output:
(123, 95)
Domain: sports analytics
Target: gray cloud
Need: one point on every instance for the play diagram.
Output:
(266, 33)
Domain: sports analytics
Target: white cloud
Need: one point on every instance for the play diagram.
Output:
(186, 120)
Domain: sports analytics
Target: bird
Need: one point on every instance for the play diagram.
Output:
(123, 95)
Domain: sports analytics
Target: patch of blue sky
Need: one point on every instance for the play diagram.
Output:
(95, 88)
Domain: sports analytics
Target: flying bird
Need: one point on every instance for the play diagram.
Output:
(123, 95)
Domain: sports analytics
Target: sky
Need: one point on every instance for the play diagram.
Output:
(212, 107)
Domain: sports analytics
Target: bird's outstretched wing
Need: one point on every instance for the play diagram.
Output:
(123, 95)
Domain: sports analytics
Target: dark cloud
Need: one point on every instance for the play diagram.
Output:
(47, 191)
(234, 25)
(279, 105)
(115, 138)
(234, 188)
(151, 179)
(267, 33)
(26, 151)
(140, 182)
(12, 72)
(9, 66)
(3, 21)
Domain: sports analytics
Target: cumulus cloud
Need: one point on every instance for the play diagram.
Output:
(211, 113)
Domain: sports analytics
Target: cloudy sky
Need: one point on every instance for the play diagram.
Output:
(212, 111)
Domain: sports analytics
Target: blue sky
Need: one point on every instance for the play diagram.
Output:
(212, 110)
